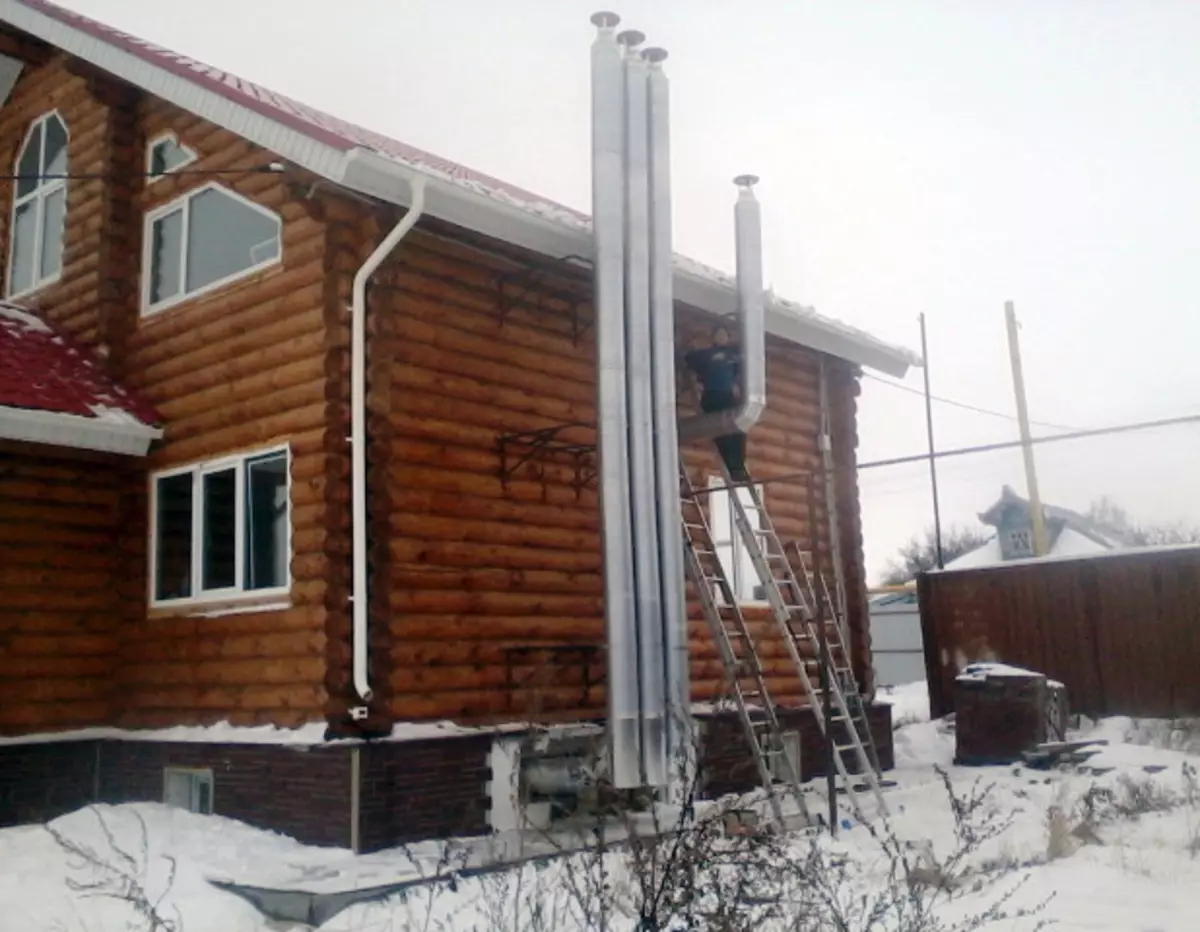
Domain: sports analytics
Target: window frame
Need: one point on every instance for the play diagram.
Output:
(168, 136)
(738, 557)
(199, 596)
(202, 774)
(39, 195)
(183, 204)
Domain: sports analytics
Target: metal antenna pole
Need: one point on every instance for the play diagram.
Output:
(933, 483)
(1036, 517)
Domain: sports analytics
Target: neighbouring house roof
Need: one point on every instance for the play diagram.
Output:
(1061, 517)
(53, 391)
(1070, 533)
(377, 165)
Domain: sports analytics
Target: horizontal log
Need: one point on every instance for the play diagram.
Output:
(414, 577)
(268, 333)
(487, 386)
(405, 549)
(470, 706)
(207, 440)
(431, 527)
(26, 717)
(241, 672)
(408, 653)
(468, 502)
(496, 603)
(542, 479)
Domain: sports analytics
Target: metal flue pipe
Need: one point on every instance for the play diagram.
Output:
(639, 397)
(666, 440)
(752, 311)
(608, 220)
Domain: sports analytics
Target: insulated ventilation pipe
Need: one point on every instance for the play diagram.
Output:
(747, 218)
(645, 617)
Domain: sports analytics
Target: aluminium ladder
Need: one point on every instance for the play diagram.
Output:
(744, 673)
(798, 618)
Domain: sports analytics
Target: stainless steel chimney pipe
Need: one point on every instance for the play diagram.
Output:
(640, 399)
(666, 440)
(752, 310)
(608, 219)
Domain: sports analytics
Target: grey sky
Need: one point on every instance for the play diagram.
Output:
(915, 156)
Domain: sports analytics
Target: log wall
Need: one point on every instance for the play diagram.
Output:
(486, 594)
(259, 362)
(473, 574)
(59, 565)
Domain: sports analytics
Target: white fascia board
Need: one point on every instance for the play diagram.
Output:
(382, 177)
(553, 233)
(76, 431)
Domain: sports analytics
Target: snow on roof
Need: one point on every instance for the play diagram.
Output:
(44, 370)
(1057, 557)
(290, 128)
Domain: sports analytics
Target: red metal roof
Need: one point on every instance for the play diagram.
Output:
(316, 124)
(44, 370)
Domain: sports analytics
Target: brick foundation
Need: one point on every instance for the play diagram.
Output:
(415, 790)
(410, 790)
(727, 765)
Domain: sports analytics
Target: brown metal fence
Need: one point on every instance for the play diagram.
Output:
(1122, 631)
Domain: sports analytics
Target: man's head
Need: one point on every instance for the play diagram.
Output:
(720, 335)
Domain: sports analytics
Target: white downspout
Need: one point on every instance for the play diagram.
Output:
(358, 430)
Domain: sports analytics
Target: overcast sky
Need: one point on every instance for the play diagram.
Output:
(915, 156)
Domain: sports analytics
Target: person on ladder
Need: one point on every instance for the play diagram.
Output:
(718, 370)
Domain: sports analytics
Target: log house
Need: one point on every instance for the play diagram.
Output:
(175, 620)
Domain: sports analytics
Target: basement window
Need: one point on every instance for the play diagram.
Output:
(791, 748)
(188, 789)
(204, 241)
(731, 550)
(39, 208)
(221, 529)
(166, 154)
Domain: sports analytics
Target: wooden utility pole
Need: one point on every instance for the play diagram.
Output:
(1036, 518)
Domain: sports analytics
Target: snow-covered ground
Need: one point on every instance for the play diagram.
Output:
(1140, 873)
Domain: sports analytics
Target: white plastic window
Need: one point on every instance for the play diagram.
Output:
(166, 154)
(188, 789)
(221, 529)
(731, 551)
(206, 239)
(39, 207)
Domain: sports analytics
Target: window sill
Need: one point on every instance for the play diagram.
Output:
(218, 289)
(34, 289)
(217, 608)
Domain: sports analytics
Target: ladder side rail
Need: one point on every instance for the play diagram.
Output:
(730, 658)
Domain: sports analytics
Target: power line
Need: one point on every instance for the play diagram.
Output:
(961, 404)
(1012, 444)
(268, 169)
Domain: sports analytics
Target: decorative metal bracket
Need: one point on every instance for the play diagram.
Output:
(555, 656)
(515, 450)
(526, 287)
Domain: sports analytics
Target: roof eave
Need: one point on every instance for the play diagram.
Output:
(76, 431)
(369, 173)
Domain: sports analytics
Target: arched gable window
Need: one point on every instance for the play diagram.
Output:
(39, 207)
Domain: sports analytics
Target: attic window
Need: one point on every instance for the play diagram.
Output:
(1017, 543)
(39, 208)
(203, 241)
(165, 155)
